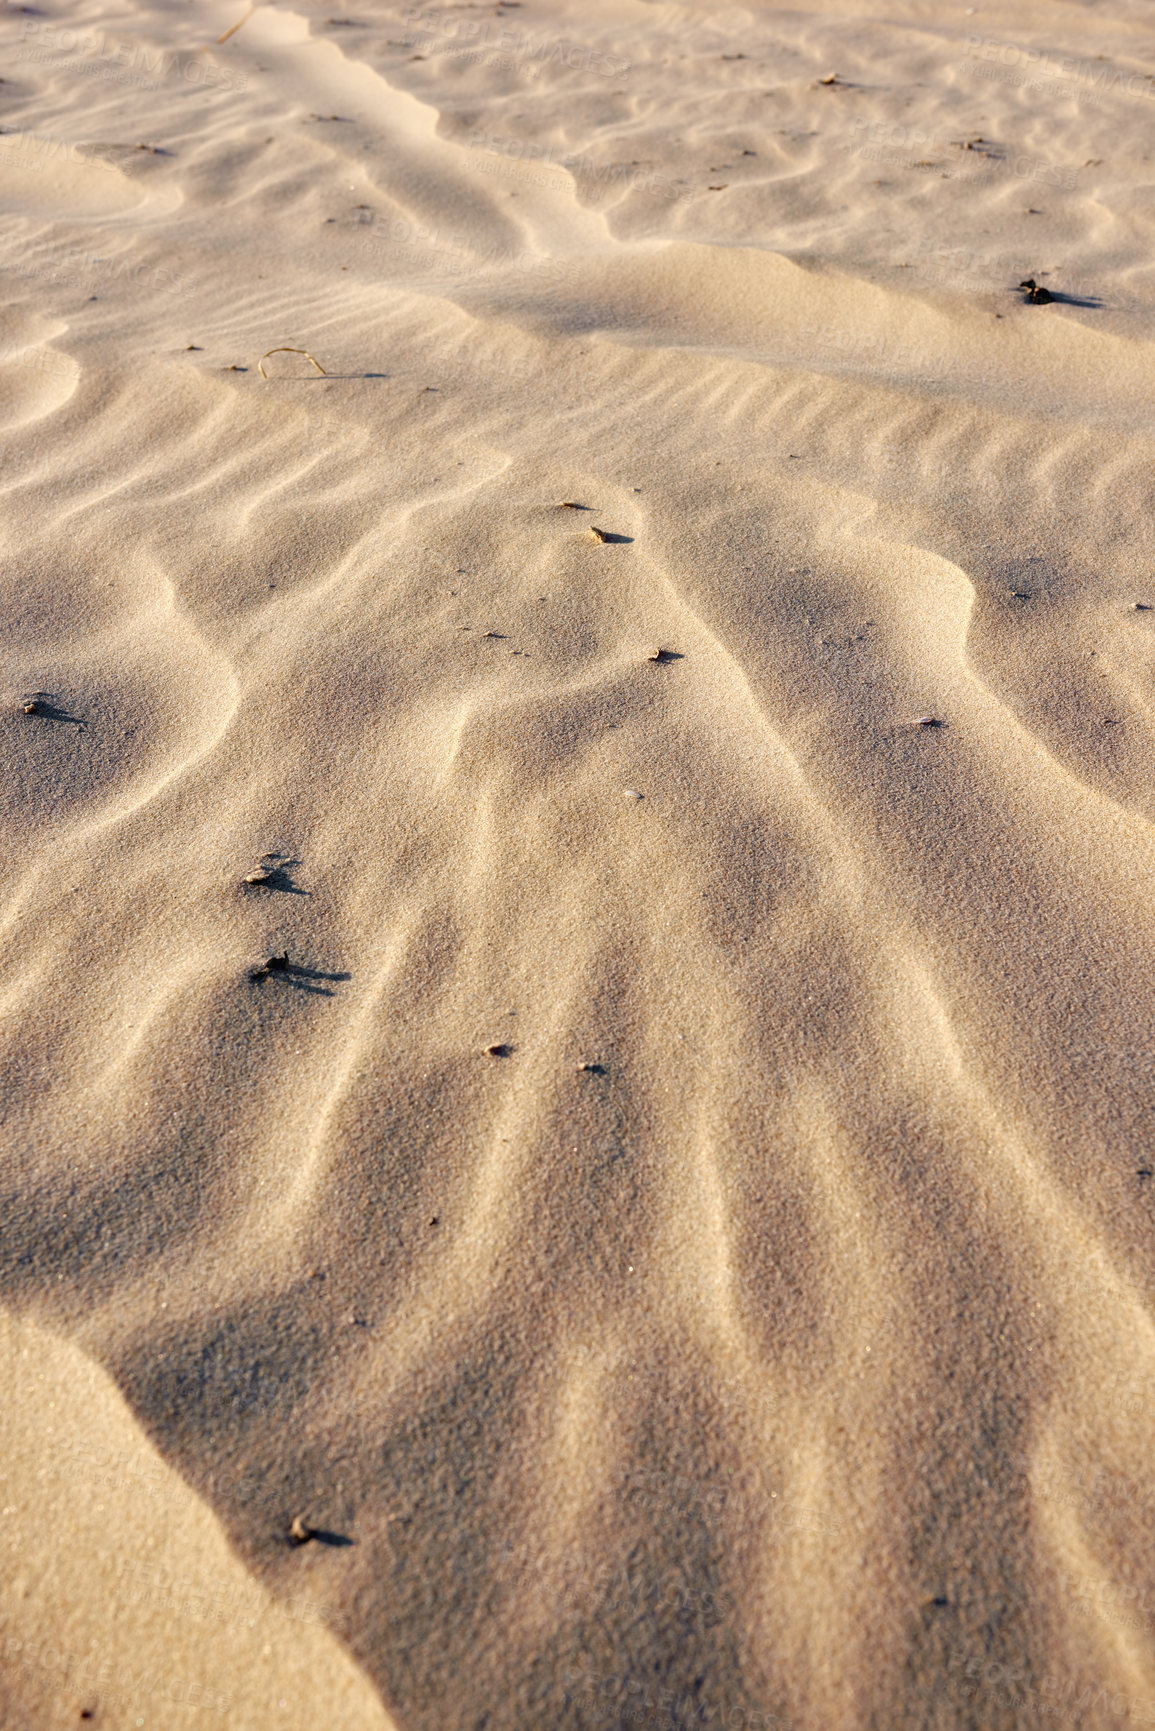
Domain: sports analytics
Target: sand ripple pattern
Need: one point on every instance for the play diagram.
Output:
(766, 1339)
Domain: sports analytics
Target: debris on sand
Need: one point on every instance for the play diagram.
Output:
(498, 1051)
(233, 28)
(299, 1533)
(1035, 294)
(599, 534)
(274, 965)
(286, 350)
(44, 704)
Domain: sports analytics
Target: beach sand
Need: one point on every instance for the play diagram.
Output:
(676, 1228)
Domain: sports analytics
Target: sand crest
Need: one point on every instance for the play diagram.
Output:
(578, 734)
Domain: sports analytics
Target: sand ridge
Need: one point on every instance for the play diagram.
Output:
(681, 1209)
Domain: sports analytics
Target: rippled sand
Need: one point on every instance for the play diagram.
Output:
(760, 1334)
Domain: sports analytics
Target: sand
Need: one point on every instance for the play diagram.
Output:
(677, 1226)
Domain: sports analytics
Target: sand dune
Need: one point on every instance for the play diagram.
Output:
(682, 1211)
(125, 1603)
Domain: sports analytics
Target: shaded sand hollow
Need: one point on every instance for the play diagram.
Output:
(761, 1334)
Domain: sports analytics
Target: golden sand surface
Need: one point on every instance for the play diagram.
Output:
(557, 527)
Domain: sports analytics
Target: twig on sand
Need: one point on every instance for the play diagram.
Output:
(284, 349)
(233, 28)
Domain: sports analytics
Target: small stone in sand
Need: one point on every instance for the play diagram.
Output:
(599, 534)
(632, 793)
(930, 721)
(831, 78)
(1035, 293)
(31, 707)
(665, 655)
(274, 965)
(299, 1533)
(1142, 606)
(498, 1051)
(261, 875)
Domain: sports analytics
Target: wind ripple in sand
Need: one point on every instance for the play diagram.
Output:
(765, 1338)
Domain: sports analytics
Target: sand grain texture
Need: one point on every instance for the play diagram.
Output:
(683, 1209)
